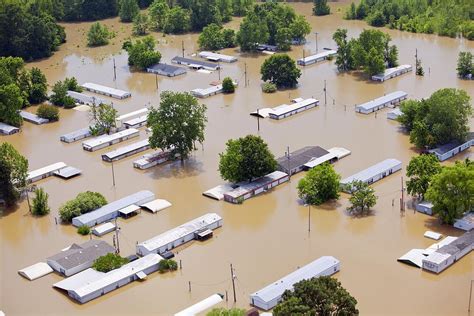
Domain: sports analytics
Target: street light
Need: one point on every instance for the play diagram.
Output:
(316, 35)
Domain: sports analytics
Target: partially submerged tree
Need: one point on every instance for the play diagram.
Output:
(98, 35)
(128, 9)
(142, 54)
(13, 173)
(49, 112)
(220, 311)
(140, 24)
(166, 265)
(362, 198)
(280, 70)
(109, 262)
(177, 124)
(228, 85)
(321, 7)
(40, 205)
(465, 66)
(103, 117)
(319, 185)
(84, 202)
(421, 170)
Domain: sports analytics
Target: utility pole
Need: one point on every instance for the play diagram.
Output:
(113, 173)
(245, 72)
(219, 69)
(303, 55)
(470, 295)
(117, 234)
(28, 199)
(309, 218)
(233, 281)
(258, 119)
(325, 98)
(115, 71)
(156, 81)
(288, 157)
(402, 202)
(182, 47)
(316, 34)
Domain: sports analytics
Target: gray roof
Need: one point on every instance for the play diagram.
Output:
(77, 255)
(301, 156)
(461, 243)
(441, 150)
(168, 69)
(372, 171)
(184, 60)
(67, 172)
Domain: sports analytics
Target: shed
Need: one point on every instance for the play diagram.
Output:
(156, 205)
(166, 70)
(195, 64)
(33, 118)
(466, 222)
(107, 91)
(217, 57)
(35, 271)
(126, 151)
(76, 135)
(269, 296)
(382, 102)
(6, 129)
(109, 140)
(390, 73)
(103, 229)
(326, 54)
(67, 172)
(44, 172)
(201, 306)
(152, 159)
(295, 161)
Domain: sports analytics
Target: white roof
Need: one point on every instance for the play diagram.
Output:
(414, 257)
(180, 231)
(35, 271)
(129, 209)
(207, 91)
(137, 120)
(394, 113)
(7, 128)
(107, 138)
(216, 56)
(132, 114)
(84, 97)
(446, 241)
(286, 108)
(432, 235)
(102, 229)
(309, 271)
(51, 168)
(340, 152)
(105, 89)
(156, 205)
(126, 149)
(389, 71)
(67, 172)
(437, 257)
(83, 132)
(201, 306)
(382, 100)
(317, 161)
(245, 187)
(264, 112)
(218, 191)
(324, 54)
(368, 173)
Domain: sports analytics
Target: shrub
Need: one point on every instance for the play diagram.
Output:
(98, 35)
(40, 203)
(84, 230)
(269, 87)
(49, 112)
(228, 85)
(83, 203)
(167, 265)
(109, 262)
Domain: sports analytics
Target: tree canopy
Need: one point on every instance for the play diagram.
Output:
(103, 117)
(13, 173)
(178, 123)
(362, 198)
(214, 37)
(319, 185)
(60, 97)
(317, 296)
(98, 35)
(84, 202)
(246, 159)
(109, 262)
(321, 7)
(128, 10)
(420, 171)
(281, 70)
(40, 205)
(142, 54)
(219, 311)
(465, 66)
(228, 85)
(48, 111)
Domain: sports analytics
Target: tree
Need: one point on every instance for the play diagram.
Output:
(376, 18)
(178, 20)
(40, 203)
(452, 191)
(109, 262)
(60, 97)
(38, 86)
(142, 54)
(211, 37)
(158, 12)
(300, 28)
(228, 36)
(177, 124)
(283, 39)
(228, 85)
(268, 87)
(317, 296)
(140, 24)
(14, 172)
(98, 35)
(128, 10)
(252, 32)
(242, 7)
(321, 7)
(166, 265)
(203, 13)
(419, 68)
(225, 10)
(362, 198)
(421, 170)
(11, 102)
(281, 70)
(49, 112)
(343, 50)
(72, 85)
(83, 203)
(103, 117)
(465, 64)
(246, 159)
(84, 230)
(319, 185)
(219, 311)
(375, 63)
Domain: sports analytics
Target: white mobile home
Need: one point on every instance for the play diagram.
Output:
(152, 159)
(390, 73)
(109, 140)
(295, 161)
(90, 284)
(207, 92)
(425, 207)
(119, 121)
(107, 91)
(33, 118)
(195, 64)
(82, 98)
(112, 210)
(126, 151)
(449, 150)
(44, 172)
(297, 106)
(217, 57)
(326, 54)
(76, 135)
(179, 235)
(333, 155)
(382, 102)
(269, 296)
(372, 174)
(6, 129)
(136, 122)
(201, 306)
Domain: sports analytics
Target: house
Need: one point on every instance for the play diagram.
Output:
(44, 172)
(372, 174)
(466, 222)
(180, 235)
(6, 129)
(215, 57)
(33, 118)
(76, 135)
(295, 162)
(246, 190)
(195, 64)
(152, 159)
(449, 150)
(382, 102)
(394, 114)
(91, 284)
(325, 55)
(390, 73)
(107, 91)
(79, 257)
(166, 70)
(109, 140)
(112, 210)
(212, 90)
(270, 296)
(126, 151)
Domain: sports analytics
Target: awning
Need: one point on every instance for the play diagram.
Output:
(205, 233)
(35, 271)
(432, 235)
(156, 205)
(129, 209)
(141, 275)
(413, 257)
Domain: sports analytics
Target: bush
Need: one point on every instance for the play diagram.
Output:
(269, 87)
(83, 203)
(228, 85)
(40, 203)
(49, 112)
(98, 35)
(109, 262)
(84, 230)
(167, 265)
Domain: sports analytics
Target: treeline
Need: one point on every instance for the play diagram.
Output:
(442, 17)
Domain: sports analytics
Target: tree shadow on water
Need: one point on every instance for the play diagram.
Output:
(177, 169)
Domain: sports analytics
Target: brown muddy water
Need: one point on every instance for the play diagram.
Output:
(266, 237)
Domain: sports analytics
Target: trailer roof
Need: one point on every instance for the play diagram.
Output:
(368, 173)
(105, 89)
(382, 100)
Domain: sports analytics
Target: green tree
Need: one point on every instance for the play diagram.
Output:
(376, 18)
(228, 85)
(252, 32)
(140, 24)
(319, 185)
(317, 296)
(375, 64)
(38, 90)
(281, 70)
(8, 193)
(225, 10)
(283, 39)
(219, 311)
(84, 202)
(321, 7)
(72, 85)
(246, 159)
(158, 12)
(11, 101)
(300, 28)
(203, 13)
(465, 64)
(49, 112)
(109, 262)
(228, 36)
(84, 230)
(98, 35)
(60, 97)
(103, 117)
(40, 205)
(242, 7)
(452, 191)
(419, 68)
(268, 87)
(211, 37)
(142, 54)
(128, 9)
(166, 265)
(177, 124)
(343, 50)
(178, 20)
(14, 172)
(362, 198)
(421, 170)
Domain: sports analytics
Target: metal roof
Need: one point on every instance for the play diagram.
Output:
(436, 246)
(167, 69)
(136, 121)
(126, 149)
(33, 118)
(432, 235)
(129, 209)
(104, 228)
(390, 71)
(441, 150)
(104, 89)
(383, 100)
(132, 114)
(108, 138)
(324, 54)
(286, 108)
(35, 271)
(372, 171)
(227, 58)
(219, 191)
(300, 157)
(156, 205)
(464, 241)
(189, 61)
(413, 257)
(85, 98)
(201, 306)
(81, 133)
(67, 172)
(8, 128)
(246, 187)
(45, 170)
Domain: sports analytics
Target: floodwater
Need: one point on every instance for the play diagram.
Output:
(267, 237)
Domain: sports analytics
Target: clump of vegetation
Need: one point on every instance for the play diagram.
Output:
(109, 262)
(40, 205)
(220, 311)
(321, 7)
(214, 37)
(140, 24)
(465, 66)
(128, 10)
(60, 97)
(362, 198)
(280, 70)
(13, 173)
(420, 171)
(319, 185)
(142, 54)
(228, 85)
(166, 265)
(84, 230)
(419, 68)
(103, 117)
(245, 159)
(84, 202)
(98, 35)
(49, 112)
(269, 87)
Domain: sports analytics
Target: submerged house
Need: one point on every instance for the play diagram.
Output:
(382, 102)
(212, 90)
(215, 57)
(79, 257)
(449, 150)
(6, 129)
(152, 159)
(33, 118)
(390, 73)
(295, 161)
(195, 64)
(109, 140)
(107, 91)
(325, 55)
(466, 222)
(166, 70)
(394, 114)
